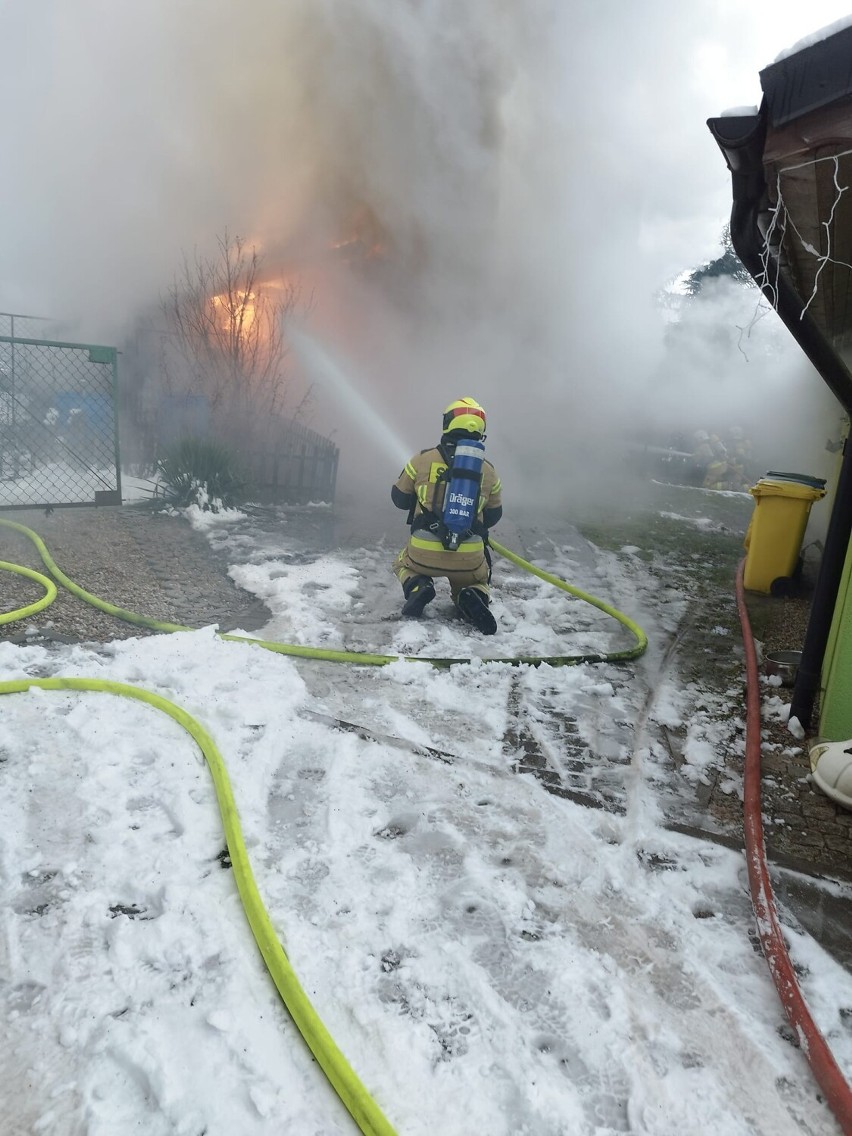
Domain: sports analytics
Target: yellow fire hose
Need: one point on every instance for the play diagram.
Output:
(326, 654)
(346, 1083)
(366, 1113)
(39, 605)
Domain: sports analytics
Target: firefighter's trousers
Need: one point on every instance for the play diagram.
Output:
(425, 555)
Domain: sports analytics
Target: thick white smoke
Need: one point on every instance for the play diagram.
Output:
(536, 172)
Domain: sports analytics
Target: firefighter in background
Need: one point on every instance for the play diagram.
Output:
(717, 473)
(713, 464)
(739, 457)
(702, 456)
(420, 489)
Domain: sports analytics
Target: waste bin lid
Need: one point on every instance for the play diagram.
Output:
(781, 487)
(814, 482)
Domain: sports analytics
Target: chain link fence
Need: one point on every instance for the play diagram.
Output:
(283, 460)
(58, 430)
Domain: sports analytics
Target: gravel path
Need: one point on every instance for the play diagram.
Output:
(147, 561)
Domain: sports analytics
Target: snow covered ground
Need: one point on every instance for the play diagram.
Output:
(58, 482)
(491, 957)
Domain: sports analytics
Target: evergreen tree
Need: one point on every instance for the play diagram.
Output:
(728, 264)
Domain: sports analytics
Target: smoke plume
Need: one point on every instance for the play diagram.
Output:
(531, 175)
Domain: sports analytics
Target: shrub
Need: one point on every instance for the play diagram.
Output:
(197, 471)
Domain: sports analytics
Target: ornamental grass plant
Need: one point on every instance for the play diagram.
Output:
(203, 472)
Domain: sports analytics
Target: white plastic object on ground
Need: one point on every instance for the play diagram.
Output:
(831, 765)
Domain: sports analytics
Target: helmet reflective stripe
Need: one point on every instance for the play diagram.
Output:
(465, 411)
(465, 414)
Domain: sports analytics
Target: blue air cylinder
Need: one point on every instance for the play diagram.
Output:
(462, 495)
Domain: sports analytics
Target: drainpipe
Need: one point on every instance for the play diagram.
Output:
(741, 140)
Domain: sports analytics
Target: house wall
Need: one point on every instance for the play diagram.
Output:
(835, 717)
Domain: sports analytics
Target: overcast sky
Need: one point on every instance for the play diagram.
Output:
(541, 169)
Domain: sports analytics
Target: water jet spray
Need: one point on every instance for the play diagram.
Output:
(322, 366)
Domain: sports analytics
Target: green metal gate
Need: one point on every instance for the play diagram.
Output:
(58, 422)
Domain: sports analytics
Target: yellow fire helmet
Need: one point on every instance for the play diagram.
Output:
(465, 414)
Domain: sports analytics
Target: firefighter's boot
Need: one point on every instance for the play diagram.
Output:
(473, 604)
(418, 591)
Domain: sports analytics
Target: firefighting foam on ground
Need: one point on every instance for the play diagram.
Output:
(515, 893)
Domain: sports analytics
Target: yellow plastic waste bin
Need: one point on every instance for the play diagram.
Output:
(782, 505)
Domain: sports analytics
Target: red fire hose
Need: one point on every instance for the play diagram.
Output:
(820, 1058)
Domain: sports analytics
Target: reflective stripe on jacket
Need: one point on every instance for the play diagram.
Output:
(421, 476)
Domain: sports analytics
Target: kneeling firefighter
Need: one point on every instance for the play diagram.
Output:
(452, 495)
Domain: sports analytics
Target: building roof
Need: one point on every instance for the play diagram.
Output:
(815, 76)
(801, 137)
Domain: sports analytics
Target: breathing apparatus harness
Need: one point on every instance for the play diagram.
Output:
(461, 480)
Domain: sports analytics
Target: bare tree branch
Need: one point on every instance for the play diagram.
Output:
(228, 327)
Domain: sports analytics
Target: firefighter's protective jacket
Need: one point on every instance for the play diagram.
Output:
(420, 488)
